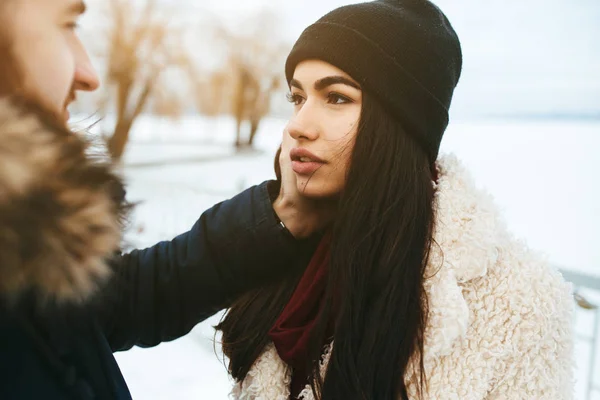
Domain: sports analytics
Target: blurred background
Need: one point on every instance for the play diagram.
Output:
(193, 106)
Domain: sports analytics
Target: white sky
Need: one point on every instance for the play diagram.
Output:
(520, 56)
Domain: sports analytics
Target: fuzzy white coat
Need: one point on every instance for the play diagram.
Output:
(500, 324)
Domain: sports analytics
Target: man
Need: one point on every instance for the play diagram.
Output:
(66, 302)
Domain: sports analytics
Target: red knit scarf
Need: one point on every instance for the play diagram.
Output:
(293, 328)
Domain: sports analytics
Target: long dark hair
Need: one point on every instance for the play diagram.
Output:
(382, 237)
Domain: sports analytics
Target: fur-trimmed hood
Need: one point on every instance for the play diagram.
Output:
(499, 323)
(60, 209)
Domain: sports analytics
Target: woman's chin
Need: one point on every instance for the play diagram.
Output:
(314, 190)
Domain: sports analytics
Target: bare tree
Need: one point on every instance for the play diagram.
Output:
(211, 89)
(261, 107)
(253, 63)
(245, 94)
(142, 47)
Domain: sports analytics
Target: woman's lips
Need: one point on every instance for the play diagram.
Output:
(304, 162)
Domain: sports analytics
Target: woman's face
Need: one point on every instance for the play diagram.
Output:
(320, 135)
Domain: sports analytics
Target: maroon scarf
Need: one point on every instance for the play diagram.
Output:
(292, 330)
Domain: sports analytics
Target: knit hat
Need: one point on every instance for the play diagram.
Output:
(404, 52)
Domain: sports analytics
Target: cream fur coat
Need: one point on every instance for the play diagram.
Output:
(500, 321)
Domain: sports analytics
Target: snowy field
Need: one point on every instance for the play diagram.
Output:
(544, 174)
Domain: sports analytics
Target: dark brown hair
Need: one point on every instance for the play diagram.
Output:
(381, 243)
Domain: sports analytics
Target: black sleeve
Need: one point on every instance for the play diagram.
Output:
(161, 293)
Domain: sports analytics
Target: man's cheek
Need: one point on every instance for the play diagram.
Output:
(56, 80)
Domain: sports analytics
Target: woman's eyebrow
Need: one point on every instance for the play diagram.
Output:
(296, 83)
(333, 80)
(326, 82)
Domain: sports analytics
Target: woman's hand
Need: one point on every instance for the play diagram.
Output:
(301, 215)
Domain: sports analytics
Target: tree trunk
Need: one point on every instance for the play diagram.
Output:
(118, 141)
(238, 133)
(253, 129)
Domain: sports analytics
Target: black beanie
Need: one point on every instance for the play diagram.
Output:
(404, 52)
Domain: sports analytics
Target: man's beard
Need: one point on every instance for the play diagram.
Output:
(70, 99)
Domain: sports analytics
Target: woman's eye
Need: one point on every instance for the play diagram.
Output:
(335, 98)
(295, 99)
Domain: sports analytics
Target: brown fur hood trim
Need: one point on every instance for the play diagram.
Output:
(59, 209)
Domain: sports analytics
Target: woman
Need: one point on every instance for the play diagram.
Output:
(417, 290)
(68, 298)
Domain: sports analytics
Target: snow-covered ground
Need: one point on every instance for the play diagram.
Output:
(544, 174)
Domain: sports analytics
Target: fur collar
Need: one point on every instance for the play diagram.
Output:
(59, 209)
(468, 231)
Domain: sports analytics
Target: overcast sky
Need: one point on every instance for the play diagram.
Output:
(534, 56)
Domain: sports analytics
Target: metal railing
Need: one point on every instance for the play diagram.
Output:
(580, 280)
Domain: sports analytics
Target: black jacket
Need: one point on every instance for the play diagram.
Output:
(64, 310)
